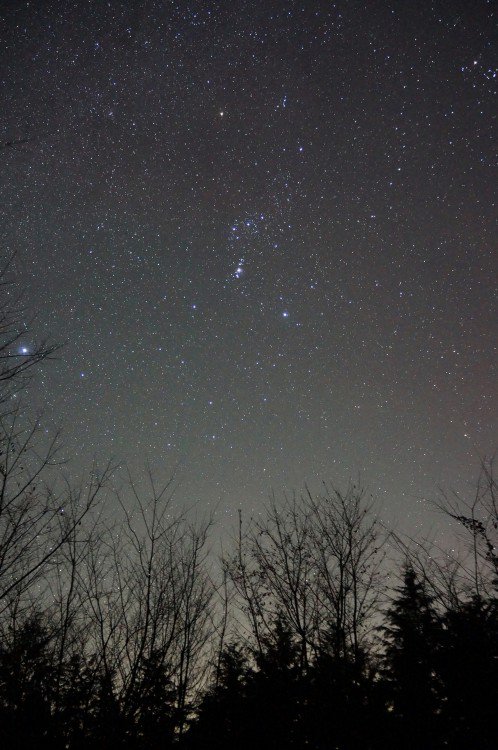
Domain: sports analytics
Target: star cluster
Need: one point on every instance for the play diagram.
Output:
(264, 232)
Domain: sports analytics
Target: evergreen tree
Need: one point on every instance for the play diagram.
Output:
(223, 718)
(468, 666)
(342, 708)
(257, 706)
(152, 723)
(276, 691)
(27, 686)
(411, 638)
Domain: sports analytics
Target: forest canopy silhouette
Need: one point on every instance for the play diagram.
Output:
(317, 627)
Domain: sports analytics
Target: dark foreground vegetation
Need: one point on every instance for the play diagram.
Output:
(318, 628)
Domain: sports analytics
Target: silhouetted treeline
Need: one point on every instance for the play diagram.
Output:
(434, 685)
(317, 628)
(128, 638)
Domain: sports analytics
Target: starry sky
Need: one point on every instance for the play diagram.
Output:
(264, 232)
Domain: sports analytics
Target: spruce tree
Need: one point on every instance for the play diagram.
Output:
(411, 639)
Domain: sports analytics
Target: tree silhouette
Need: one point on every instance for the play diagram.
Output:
(223, 717)
(468, 668)
(27, 682)
(411, 634)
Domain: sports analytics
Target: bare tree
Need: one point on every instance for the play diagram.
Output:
(313, 561)
(348, 550)
(36, 519)
(148, 601)
(477, 516)
(38, 516)
(18, 355)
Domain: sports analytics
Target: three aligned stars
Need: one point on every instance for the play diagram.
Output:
(246, 231)
(264, 208)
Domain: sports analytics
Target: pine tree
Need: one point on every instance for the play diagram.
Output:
(276, 691)
(223, 720)
(468, 666)
(27, 682)
(411, 639)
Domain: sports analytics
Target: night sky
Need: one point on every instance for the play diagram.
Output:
(264, 232)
